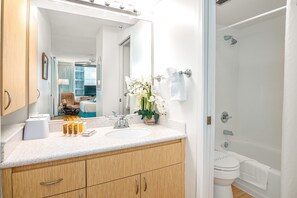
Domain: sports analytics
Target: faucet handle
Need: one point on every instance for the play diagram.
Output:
(225, 117)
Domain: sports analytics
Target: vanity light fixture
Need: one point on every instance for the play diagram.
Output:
(122, 6)
(130, 10)
(107, 3)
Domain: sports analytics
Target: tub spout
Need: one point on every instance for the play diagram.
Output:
(226, 132)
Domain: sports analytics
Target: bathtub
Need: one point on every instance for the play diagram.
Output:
(265, 155)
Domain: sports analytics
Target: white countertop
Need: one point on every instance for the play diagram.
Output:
(58, 146)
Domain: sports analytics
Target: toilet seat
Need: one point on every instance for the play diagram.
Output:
(225, 162)
(226, 170)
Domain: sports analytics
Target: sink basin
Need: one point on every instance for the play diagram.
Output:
(128, 133)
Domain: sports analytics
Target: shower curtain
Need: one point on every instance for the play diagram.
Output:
(289, 139)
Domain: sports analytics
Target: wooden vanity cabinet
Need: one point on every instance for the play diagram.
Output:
(163, 183)
(151, 171)
(13, 55)
(75, 194)
(123, 188)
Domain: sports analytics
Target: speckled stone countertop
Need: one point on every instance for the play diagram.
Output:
(58, 146)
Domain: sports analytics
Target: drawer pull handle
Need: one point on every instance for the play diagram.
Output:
(51, 182)
(137, 186)
(38, 93)
(80, 195)
(145, 184)
(9, 100)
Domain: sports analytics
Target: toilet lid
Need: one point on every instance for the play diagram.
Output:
(223, 161)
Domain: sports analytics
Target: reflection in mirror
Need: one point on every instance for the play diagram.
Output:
(44, 66)
(88, 59)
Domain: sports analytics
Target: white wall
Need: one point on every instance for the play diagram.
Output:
(73, 48)
(44, 45)
(178, 43)
(140, 45)
(260, 94)
(249, 82)
(289, 146)
(16, 117)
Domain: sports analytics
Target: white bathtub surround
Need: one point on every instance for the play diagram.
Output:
(249, 82)
(252, 171)
(58, 146)
(289, 138)
(265, 155)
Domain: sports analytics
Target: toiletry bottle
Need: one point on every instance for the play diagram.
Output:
(70, 128)
(65, 128)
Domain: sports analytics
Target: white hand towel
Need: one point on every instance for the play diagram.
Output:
(252, 171)
(177, 85)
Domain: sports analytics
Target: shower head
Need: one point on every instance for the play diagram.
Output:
(220, 2)
(233, 41)
(229, 37)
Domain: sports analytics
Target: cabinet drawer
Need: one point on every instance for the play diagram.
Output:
(124, 188)
(118, 166)
(49, 181)
(74, 194)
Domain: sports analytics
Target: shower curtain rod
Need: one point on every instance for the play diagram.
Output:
(253, 18)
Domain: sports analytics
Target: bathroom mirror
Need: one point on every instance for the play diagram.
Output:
(88, 59)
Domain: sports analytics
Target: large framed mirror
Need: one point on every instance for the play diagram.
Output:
(88, 60)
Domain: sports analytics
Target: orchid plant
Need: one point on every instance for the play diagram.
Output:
(149, 103)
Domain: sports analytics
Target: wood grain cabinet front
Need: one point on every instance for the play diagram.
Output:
(13, 55)
(123, 188)
(74, 194)
(163, 183)
(49, 181)
(114, 167)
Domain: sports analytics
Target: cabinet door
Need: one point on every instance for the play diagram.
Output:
(123, 188)
(74, 194)
(33, 60)
(14, 38)
(163, 183)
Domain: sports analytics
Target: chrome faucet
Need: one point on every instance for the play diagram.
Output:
(122, 122)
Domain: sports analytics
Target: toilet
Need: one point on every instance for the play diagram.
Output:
(226, 170)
